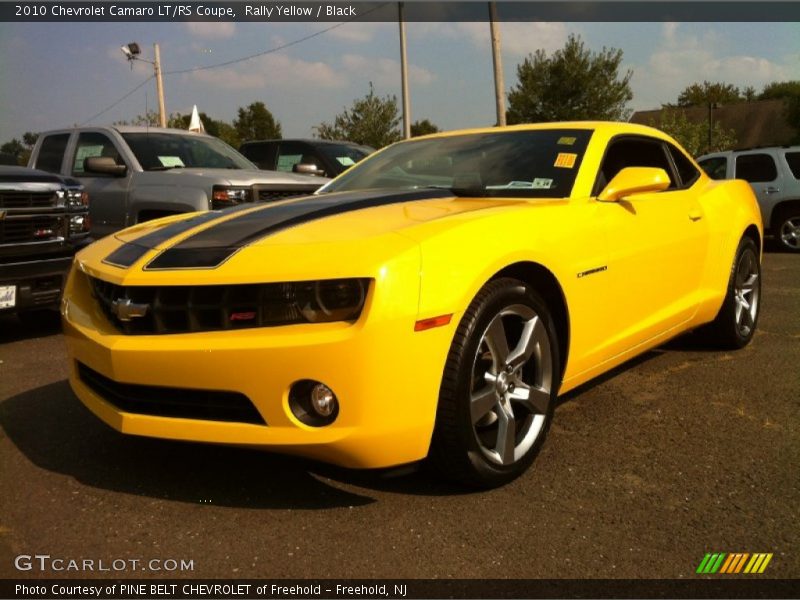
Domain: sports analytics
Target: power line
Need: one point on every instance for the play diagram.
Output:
(105, 110)
(276, 48)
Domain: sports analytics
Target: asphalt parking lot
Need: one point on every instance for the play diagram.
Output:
(681, 452)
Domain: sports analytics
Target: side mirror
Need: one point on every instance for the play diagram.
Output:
(634, 180)
(104, 165)
(308, 169)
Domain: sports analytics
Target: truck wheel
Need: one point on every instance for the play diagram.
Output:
(736, 321)
(788, 230)
(499, 387)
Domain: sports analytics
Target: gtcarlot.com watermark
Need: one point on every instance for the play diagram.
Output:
(45, 563)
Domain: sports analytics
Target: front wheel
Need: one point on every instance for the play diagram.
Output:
(735, 324)
(499, 387)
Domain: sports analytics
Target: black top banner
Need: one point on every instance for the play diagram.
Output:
(420, 11)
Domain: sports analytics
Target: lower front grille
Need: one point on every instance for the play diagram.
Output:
(16, 230)
(206, 405)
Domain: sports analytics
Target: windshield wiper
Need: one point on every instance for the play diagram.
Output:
(460, 191)
(164, 168)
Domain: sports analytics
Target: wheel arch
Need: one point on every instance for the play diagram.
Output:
(753, 233)
(541, 279)
(792, 204)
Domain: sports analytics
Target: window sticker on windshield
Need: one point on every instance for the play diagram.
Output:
(542, 183)
(345, 161)
(171, 161)
(565, 160)
(566, 141)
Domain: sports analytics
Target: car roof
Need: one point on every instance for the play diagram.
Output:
(316, 141)
(611, 127)
(127, 129)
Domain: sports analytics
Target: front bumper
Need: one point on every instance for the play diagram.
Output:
(38, 282)
(385, 375)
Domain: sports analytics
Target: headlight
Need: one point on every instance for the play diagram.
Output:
(224, 196)
(74, 198)
(331, 300)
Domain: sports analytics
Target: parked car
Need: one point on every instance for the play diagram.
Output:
(434, 300)
(43, 221)
(134, 174)
(774, 174)
(324, 158)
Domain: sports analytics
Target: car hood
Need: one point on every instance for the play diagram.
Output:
(243, 177)
(321, 235)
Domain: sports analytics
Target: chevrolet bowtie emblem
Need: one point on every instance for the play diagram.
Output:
(125, 310)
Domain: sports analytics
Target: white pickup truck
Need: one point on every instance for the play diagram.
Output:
(774, 175)
(135, 174)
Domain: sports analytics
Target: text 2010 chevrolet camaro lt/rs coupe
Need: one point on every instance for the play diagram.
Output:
(432, 301)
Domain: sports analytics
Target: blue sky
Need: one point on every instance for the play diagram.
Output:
(56, 75)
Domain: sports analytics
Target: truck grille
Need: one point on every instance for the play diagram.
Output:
(17, 199)
(190, 309)
(41, 228)
(206, 405)
(271, 193)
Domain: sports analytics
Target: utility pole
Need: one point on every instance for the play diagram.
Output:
(133, 52)
(499, 83)
(162, 111)
(404, 74)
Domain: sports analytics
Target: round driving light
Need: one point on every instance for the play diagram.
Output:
(313, 403)
(323, 400)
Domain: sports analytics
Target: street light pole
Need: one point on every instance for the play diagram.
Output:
(497, 58)
(404, 74)
(162, 111)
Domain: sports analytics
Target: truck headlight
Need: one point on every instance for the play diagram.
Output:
(224, 196)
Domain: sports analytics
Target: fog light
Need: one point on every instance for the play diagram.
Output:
(322, 400)
(313, 403)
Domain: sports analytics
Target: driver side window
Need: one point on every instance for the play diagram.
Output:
(632, 152)
(92, 144)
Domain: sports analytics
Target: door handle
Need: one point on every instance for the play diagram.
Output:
(695, 215)
(771, 190)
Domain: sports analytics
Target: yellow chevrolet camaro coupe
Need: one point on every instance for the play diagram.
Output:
(432, 301)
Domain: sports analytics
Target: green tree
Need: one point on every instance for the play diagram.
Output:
(20, 150)
(703, 94)
(370, 120)
(149, 119)
(789, 92)
(692, 135)
(572, 84)
(423, 127)
(255, 122)
(220, 129)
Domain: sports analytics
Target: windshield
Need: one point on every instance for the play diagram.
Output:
(161, 151)
(345, 154)
(529, 164)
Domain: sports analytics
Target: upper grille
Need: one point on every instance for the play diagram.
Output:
(271, 193)
(41, 228)
(189, 309)
(208, 405)
(18, 199)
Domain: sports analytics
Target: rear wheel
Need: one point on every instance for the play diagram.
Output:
(788, 230)
(499, 387)
(736, 321)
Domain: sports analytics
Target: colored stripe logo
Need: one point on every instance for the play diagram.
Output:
(733, 563)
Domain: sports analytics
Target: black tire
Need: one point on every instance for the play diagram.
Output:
(787, 229)
(461, 448)
(732, 329)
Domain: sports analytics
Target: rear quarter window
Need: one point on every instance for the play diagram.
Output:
(793, 160)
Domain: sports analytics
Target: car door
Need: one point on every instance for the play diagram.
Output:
(108, 194)
(657, 244)
(761, 172)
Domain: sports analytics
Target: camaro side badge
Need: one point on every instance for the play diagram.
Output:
(592, 271)
(125, 310)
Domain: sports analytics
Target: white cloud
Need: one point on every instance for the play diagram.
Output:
(272, 71)
(211, 30)
(680, 59)
(384, 72)
(358, 33)
(516, 39)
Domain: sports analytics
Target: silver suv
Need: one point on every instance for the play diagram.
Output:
(774, 174)
(135, 174)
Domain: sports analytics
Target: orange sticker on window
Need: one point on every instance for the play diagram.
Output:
(565, 160)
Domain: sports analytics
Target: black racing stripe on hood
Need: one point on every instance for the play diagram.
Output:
(213, 246)
(130, 252)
